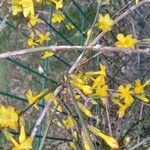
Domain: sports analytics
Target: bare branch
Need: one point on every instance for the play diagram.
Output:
(97, 48)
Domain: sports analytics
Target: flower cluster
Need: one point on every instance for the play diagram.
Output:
(93, 85)
(105, 24)
(9, 118)
(23, 6)
(41, 38)
(24, 141)
(126, 95)
(58, 16)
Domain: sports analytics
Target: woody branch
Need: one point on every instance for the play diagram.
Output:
(66, 48)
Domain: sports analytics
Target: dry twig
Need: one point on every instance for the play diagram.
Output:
(54, 48)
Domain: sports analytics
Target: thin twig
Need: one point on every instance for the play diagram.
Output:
(140, 117)
(93, 25)
(108, 119)
(47, 127)
(2, 25)
(54, 48)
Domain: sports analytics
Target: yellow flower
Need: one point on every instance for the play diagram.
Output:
(80, 82)
(47, 54)
(8, 117)
(122, 108)
(74, 134)
(101, 72)
(22, 136)
(112, 142)
(33, 20)
(42, 37)
(77, 97)
(16, 8)
(125, 41)
(24, 142)
(143, 98)
(69, 122)
(70, 26)
(57, 17)
(139, 88)
(127, 140)
(105, 23)
(58, 3)
(101, 91)
(85, 110)
(126, 94)
(93, 102)
(78, 79)
(34, 99)
(31, 40)
(72, 145)
(100, 79)
(28, 7)
(86, 89)
(25, 6)
(85, 141)
(50, 96)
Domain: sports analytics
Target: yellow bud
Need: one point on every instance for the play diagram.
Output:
(87, 89)
(85, 110)
(85, 141)
(72, 145)
(127, 140)
(77, 97)
(112, 142)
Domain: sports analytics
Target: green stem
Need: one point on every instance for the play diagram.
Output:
(79, 113)
(47, 127)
